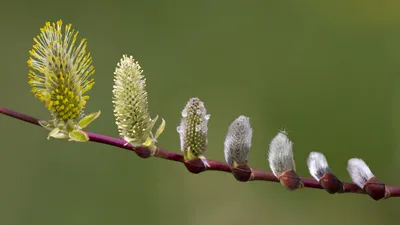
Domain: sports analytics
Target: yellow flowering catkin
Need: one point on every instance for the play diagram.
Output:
(131, 107)
(60, 75)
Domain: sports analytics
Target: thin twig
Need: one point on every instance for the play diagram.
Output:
(392, 191)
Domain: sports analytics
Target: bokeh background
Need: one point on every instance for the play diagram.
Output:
(327, 71)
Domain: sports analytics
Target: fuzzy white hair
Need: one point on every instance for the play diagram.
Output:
(317, 164)
(359, 172)
(280, 155)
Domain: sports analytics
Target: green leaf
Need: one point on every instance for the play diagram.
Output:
(78, 135)
(55, 133)
(47, 124)
(149, 141)
(85, 121)
(152, 122)
(60, 135)
(160, 129)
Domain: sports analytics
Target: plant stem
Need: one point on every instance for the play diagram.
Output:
(392, 191)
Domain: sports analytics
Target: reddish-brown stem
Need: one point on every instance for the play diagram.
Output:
(143, 152)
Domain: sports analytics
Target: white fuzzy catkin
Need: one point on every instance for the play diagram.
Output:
(238, 141)
(280, 155)
(359, 172)
(317, 164)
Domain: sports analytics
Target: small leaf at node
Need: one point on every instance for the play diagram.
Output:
(85, 121)
(47, 124)
(53, 133)
(79, 136)
(160, 129)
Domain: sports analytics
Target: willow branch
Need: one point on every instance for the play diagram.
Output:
(198, 166)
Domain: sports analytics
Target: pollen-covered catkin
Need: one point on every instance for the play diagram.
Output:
(130, 104)
(61, 71)
(60, 76)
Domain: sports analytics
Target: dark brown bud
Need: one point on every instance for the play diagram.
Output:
(242, 173)
(143, 151)
(331, 183)
(195, 166)
(290, 180)
(375, 188)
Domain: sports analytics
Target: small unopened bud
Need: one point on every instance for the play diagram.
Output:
(193, 130)
(319, 169)
(238, 141)
(362, 176)
(282, 163)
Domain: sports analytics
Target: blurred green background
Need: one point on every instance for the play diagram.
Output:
(326, 71)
